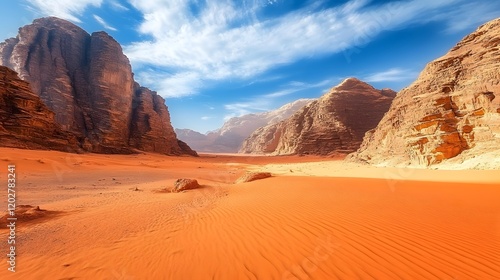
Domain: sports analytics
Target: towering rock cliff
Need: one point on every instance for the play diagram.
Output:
(230, 136)
(336, 122)
(452, 109)
(25, 121)
(87, 81)
(151, 129)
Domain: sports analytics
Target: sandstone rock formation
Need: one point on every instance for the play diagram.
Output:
(87, 81)
(336, 122)
(185, 184)
(25, 121)
(253, 176)
(230, 136)
(29, 213)
(452, 109)
(150, 127)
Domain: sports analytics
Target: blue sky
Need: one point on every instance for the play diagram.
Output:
(214, 59)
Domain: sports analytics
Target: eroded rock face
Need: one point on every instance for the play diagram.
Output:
(151, 129)
(25, 121)
(110, 94)
(336, 122)
(453, 106)
(87, 81)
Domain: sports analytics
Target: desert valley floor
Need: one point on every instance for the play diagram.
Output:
(112, 217)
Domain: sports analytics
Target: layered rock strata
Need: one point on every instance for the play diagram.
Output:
(335, 123)
(452, 109)
(87, 81)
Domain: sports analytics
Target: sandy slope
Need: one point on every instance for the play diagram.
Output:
(338, 168)
(285, 227)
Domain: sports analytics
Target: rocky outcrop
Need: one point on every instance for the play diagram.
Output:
(253, 176)
(336, 122)
(181, 185)
(452, 109)
(25, 121)
(87, 81)
(29, 213)
(151, 129)
(230, 136)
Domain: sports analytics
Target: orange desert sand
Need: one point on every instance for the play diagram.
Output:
(110, 217)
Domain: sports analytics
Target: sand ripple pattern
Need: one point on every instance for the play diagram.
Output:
(304, 228)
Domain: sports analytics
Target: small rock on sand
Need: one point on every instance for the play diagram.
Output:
(185, 184)
(252, 176)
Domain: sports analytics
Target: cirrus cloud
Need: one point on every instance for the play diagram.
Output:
(104, 24)
(62, 8)
(197, 42)
(220, 40)
(391, 75)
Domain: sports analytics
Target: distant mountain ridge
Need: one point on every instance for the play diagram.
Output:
(87, 81)
(230, 136)
(334, 123)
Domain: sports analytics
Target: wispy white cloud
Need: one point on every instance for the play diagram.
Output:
(280, 93)
(206, 118)
(470, 14)
(225, 40)
(265, 102)
(265, 79)
(115, 4)
(171, 85)
(62, 8)
(296, 86)
(104, 24)
(197, 42)
(246, 107)
(391, 75)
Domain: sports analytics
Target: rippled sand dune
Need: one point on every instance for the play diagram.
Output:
(115, 221)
